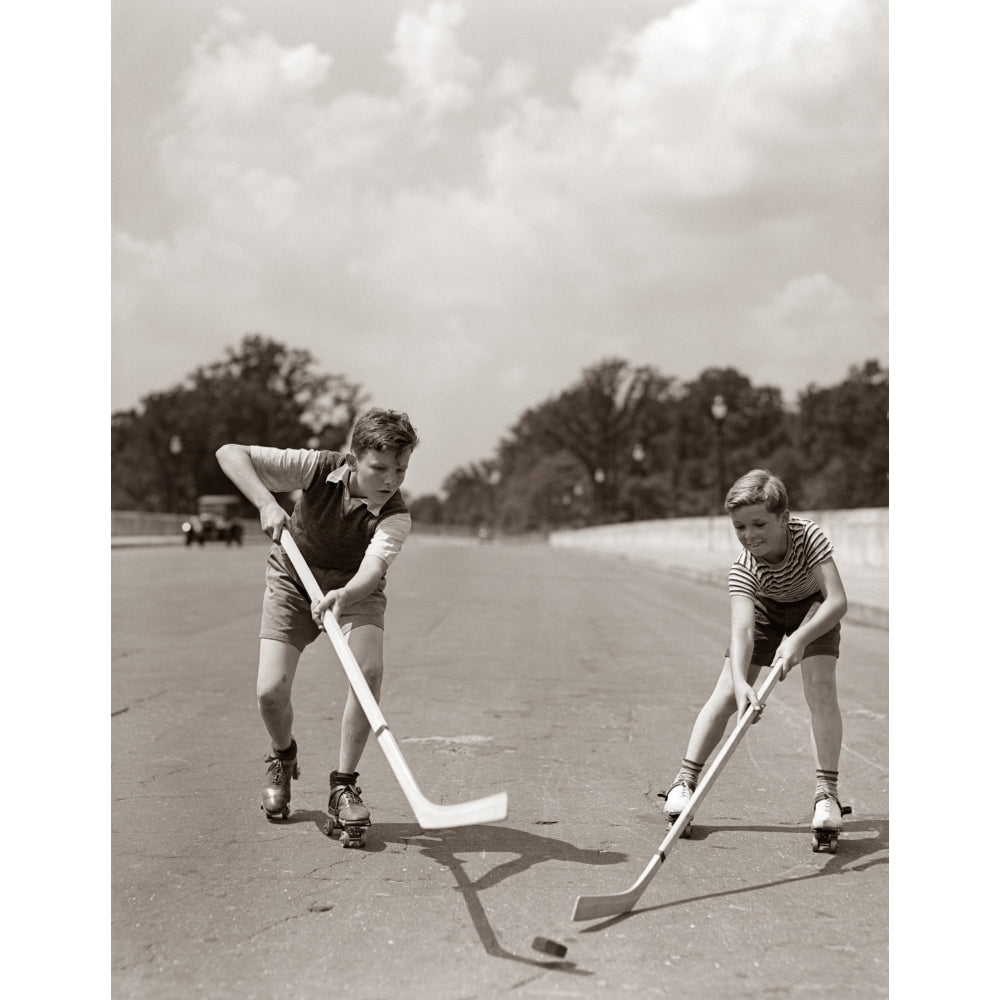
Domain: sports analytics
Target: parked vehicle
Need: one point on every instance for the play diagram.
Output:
(214, 522)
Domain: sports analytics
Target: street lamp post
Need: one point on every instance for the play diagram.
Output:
(719, 413)
(176, 446)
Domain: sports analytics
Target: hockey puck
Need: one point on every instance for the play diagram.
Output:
(549, 946)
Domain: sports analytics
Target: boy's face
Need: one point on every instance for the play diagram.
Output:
(761, 532)
(379, 473)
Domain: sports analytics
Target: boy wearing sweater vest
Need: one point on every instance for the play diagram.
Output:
(350, 522)
(786, 567)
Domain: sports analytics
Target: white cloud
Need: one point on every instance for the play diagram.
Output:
(712, 192)
(437, 75)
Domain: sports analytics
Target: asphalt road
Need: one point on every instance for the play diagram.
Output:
(567, 680)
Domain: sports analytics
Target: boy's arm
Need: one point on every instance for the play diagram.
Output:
(741, 650)
(384, 547)
(833, 608)
(235, 462)
(371, 570)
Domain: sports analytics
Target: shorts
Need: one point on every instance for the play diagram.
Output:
(287, 612)
(773, 620)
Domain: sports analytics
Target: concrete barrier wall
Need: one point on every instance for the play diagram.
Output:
(140, 523)
(860, 537)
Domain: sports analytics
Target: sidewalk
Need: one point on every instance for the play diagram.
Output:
(134, 541)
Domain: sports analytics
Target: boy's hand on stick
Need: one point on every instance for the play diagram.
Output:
(330, 601)
(273, 520)
(788, 655)
(746, 698)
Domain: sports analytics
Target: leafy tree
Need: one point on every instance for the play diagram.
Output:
(710, 451)
(612, 415)
(842, 442)
(163, 453)
(627, 443)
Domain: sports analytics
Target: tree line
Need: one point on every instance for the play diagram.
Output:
(623, 442)
(628, 443)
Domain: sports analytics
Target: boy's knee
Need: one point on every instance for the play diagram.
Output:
(372, 670)
(820, 691)
(272, 699)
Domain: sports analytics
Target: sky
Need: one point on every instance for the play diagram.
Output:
(462, 204)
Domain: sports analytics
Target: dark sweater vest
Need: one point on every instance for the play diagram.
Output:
(328, 536)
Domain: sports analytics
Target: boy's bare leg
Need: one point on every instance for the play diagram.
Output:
(819, 682)
(366, 644)
(348, 812)
(710, 726)
(275, 672)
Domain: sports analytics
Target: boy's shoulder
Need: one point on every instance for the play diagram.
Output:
(328, 461)
(804, 525)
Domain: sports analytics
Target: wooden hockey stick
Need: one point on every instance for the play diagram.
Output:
(593, 907)
(430, 815)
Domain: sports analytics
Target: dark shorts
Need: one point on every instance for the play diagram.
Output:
(773, 620)
(287, 615)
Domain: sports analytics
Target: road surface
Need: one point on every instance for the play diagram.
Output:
(568, 680)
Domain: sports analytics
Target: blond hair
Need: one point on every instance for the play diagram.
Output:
(757, 486)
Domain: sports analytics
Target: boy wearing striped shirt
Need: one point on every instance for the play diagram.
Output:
(786, 567)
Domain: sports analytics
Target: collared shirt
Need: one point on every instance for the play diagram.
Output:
(283, 470)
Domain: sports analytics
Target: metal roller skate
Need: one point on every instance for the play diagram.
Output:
(349, 816)
(281, 768)
(827, 823)
(677, 797)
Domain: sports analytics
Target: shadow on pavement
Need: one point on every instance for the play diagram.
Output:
(849, 857)
(444, 846)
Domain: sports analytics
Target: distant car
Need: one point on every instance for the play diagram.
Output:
(199, 529)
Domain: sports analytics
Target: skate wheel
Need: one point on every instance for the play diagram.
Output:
(353, 837)
(329, 828)
(824, 843)
(686, 832)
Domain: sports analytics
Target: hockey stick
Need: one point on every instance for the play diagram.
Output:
(430, 815)
(592, 907)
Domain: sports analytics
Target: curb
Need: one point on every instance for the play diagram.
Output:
(858, 612)
(134, 541)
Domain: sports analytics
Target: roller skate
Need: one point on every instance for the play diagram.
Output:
(827, 823)
(348, 814)
(677, 797)
(282, 766)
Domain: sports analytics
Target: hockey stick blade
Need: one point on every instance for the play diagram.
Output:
(430, 815)
(615, 904)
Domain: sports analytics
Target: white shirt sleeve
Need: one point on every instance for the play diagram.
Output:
(284, 469)
(389, 537)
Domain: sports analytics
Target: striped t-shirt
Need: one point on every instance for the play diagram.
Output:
(790, 580)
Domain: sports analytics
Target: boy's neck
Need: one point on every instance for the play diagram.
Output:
(352, 486)
(784, 550)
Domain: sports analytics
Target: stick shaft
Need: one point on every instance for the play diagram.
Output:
(430, 815)
(592, 907)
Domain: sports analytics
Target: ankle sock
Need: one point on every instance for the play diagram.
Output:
(689, 773)
(289, 753)
(826, 784)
